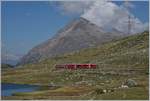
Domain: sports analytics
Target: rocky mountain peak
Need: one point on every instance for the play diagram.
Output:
(78, 34)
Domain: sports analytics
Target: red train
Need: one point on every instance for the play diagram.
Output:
(76, 66)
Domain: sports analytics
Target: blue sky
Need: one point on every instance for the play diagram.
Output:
(26, 24)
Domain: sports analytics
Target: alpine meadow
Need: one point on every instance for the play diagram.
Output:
(75, 50)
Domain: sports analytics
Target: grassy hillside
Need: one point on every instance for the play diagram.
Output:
(5, 66)
(117, 60)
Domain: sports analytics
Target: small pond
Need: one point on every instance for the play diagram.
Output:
(7, 89)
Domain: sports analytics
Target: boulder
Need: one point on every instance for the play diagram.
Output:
(130, 83)
(124, 86)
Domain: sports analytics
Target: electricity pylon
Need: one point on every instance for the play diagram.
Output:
(130, 21)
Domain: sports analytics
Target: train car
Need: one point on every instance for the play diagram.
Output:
(70, 66)
(93, 66)
(59, 66)
(76, 66)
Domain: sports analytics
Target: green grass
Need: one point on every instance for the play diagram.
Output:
(130, 53)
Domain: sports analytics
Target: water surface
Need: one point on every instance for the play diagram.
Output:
(7, 89)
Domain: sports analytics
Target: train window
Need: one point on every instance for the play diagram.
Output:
(78, 66)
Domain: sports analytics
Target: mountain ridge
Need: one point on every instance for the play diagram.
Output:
(76, 35)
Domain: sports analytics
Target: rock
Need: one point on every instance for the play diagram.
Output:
(104, 90)
(52, 84)
(107, 81)
(130, 83)
(83, 82)
(109, 90)
(102, 83)
(124, 86)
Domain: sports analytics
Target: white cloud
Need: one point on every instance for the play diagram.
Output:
(75, 6)
(128, 4)
(105, 14)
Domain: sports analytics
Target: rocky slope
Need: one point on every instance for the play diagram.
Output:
(118, 61)
(78, 34)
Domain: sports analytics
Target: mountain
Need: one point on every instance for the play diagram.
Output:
(11, 62)
(5, 66)
(118, 61)
(78, 34)
(9, 58)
